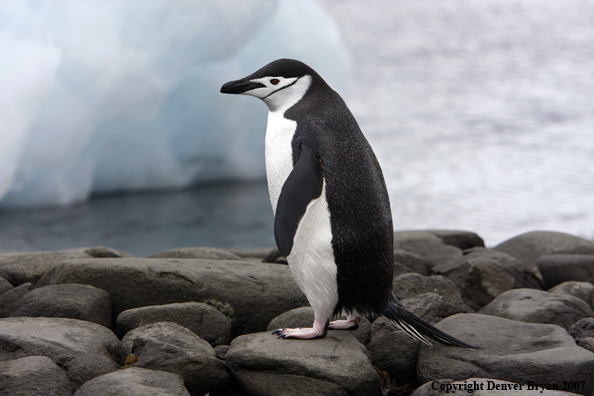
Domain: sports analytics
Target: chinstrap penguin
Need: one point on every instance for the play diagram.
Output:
(332, 217)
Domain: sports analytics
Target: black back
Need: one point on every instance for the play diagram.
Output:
(361, 219)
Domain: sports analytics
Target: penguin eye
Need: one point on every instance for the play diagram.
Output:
(274, 81)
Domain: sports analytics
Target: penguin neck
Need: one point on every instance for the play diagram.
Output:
(284, 99)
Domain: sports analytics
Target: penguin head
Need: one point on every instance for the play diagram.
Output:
(280, 84)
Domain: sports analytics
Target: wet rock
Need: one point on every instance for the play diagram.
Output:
(208, 253)
(304, 317)
(170, 347)
(537, 306)
(583, 333)
(72, 301)
(512, 351)
(559, 268)
(483, 274)
(202, 319)
(485, 387)
(33, 376)
(394, 351)
(84, 350)
(251, 293)
(412, 261)
(23, 267)
(5, 286)
(11, 298)
(135, 382)
(410, 285)
(338, 364)
(426, 244)
(582, 290)
(529, 247)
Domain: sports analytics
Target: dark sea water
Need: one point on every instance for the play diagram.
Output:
(481, 114)
(219, 216)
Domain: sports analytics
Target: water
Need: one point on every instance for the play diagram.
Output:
(481, 115)
(220, 216)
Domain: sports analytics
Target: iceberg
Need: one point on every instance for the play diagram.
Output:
(103, 97)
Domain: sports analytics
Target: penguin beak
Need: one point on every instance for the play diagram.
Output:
(240, 86)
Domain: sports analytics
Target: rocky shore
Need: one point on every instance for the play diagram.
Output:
(194, 321)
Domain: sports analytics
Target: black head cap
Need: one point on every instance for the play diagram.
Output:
(284, 68)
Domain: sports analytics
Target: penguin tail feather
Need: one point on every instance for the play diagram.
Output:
(420, 330)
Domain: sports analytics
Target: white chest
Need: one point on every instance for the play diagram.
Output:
(279, 153)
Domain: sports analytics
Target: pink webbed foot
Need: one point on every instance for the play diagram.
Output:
(351, 323)
(305, 333)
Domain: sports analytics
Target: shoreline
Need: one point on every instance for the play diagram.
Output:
(80, 321)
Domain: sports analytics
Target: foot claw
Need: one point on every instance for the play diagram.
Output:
(277, 331)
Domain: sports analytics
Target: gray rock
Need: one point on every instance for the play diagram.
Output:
(381, 327)
(298, 317)
(582, 290)
(253, 293)
(221, 351)
(23, 267)
(421, 250)
(529, 247)
(485, 387)
(582, 329)
(483, 274)
(169, 347)
(512, 351)
(11, 298)
(460, 239)
(304, 317)
(583, 333)
(412, 261)
(400, 269)
(207, 253)
(394, 351)
(72, 301)
(84, 350)
(410, 285)
(430, 307)
(426, 244)
(537, 306)
(202, 319)
(256, 255)
(335, 365)
(274, 256)
(135, 382)
(587, 343)
(5, 286)
(33, 376)
(559, 268)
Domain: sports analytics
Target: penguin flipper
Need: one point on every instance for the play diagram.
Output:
(304, 184)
